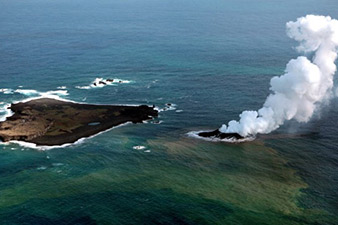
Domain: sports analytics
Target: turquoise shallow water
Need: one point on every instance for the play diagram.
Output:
(212, 59)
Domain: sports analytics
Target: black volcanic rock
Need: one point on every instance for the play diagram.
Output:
(220, 135)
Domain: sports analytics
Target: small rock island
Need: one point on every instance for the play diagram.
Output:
(218, 134)
(49, 122)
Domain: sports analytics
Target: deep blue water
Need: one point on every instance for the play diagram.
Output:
(212, 59)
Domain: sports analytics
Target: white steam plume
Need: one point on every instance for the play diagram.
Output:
(305, 84)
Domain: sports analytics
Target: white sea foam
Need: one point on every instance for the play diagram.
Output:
(194, 134)
(27, 92)
(32, 92)
(41, 168)
(167, 107)
(5, 112)
(83, 87)
(6, 90)
(101, 82)
(139, 147)
(156, 121)
(58, 92)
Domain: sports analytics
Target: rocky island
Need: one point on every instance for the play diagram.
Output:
(49, 122)
(218, 134)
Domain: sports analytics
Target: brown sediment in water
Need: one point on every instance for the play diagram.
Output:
(50, 122)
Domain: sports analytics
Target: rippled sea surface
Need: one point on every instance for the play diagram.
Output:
(212, 59)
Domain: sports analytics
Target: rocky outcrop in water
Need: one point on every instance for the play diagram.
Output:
(49, 122)
(220, 135)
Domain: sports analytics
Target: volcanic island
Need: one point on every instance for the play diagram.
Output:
(219, 135)
(49, 122)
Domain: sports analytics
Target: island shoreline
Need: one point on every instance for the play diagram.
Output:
(49, 147)
(55, 126)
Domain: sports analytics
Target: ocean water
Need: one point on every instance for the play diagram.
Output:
(212, 59)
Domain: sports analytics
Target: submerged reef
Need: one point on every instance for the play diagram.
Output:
(47, 121)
